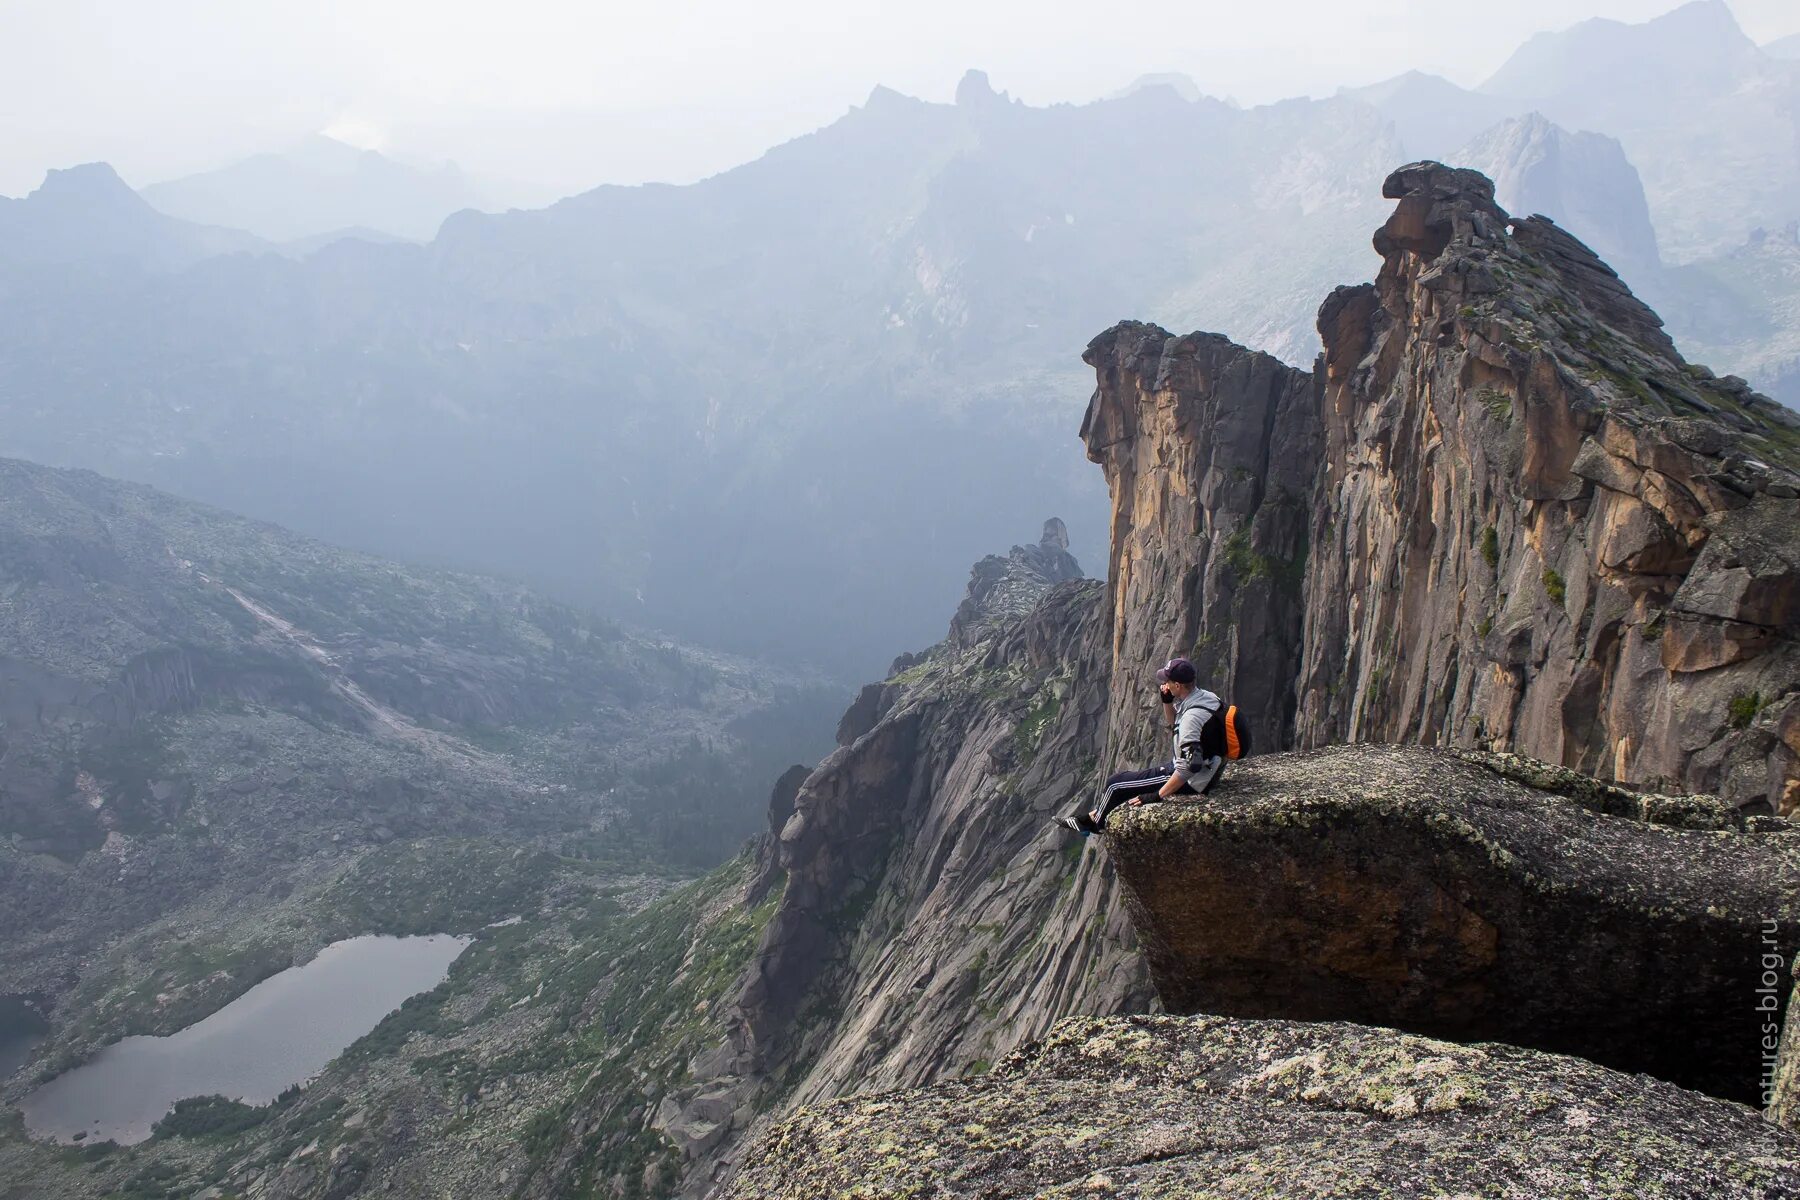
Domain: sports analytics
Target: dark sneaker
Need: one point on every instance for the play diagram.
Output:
(1074, 824)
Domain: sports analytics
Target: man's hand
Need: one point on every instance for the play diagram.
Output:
(1135, 801)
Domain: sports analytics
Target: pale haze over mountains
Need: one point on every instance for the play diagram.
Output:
(562, 97)
(318, 186)
(754, 410)
(458, 462)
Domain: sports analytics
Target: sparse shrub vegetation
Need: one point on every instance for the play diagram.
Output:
(1247, 563)
(1490, 547)
(1743, 709)
(1030, 730)
(1554, 586)
(217, 1116)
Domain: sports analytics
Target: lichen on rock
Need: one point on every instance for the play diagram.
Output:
(1164, 1107)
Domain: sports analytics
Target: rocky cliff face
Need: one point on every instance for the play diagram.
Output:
(1210, 451)
(930, 917)
(1503, 511)
(1536, 528)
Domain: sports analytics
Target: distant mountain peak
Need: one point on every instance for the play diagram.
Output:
(1181, 84)
(1582, 180)
(322, 152)
(1406, 81)
(883, 96)
(88, 214)
(1714, 15)
(89, 183)
(974, 89)
(1787, 47)
(316, 186)
(1696, 35)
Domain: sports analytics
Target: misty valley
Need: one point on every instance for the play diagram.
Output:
(653, 692)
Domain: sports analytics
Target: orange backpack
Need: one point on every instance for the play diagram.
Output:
(1237, 732)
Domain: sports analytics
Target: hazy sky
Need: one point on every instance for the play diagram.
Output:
(567, 94)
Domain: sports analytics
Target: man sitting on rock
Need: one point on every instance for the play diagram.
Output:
(1187, 711)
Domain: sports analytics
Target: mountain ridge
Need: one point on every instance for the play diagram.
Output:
(317, 187)
(888, 299)
(912, 913)
(86, 215)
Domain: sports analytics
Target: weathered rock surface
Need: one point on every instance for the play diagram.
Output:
(1004, 588)
(1165, 1107)
(932, 919)
(1469, 896)
(1537, 528)
(1210, 451)
(1503, 512)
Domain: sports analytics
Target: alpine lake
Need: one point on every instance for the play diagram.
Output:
(280, 1033)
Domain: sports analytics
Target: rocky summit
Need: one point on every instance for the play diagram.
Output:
(1157, 1108)
(1501, 513)
(1537, 528)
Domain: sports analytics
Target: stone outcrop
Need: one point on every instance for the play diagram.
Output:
(1538, 529)
(1470, 896)
(1503, 512)
(1003, 589)
(1210, 451)
(930, 918)
(1166, 1107)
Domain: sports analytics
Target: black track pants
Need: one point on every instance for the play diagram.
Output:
(1123, 785)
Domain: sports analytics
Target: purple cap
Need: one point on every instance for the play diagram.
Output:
(1176, 670)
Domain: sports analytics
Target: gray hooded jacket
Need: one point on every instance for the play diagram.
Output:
(1191, 716)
